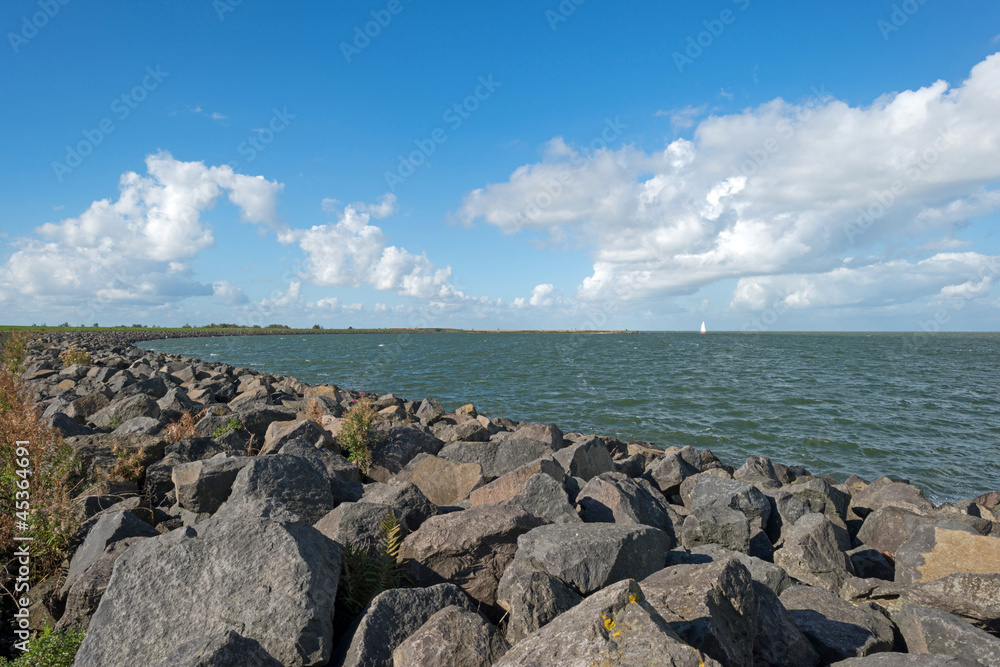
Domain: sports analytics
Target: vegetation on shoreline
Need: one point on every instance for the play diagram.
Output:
(52, 517)
(356, 437)
(51, 648)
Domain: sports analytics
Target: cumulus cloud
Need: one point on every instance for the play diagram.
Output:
(229, 294)
(776, 194)
(130, 249)
(352, 252)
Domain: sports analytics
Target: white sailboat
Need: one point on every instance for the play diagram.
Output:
(703, 330)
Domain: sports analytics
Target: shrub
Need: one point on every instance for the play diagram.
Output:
(371, 569)
(182, 428)
(53, 518)
(75, 355)
(232, 425)
(356, 437)
(50, 648)
(129, 464)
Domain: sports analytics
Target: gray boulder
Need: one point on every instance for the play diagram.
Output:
(716, 524)
(452, 637)
(906, 660)
(280, 433)
(612, 497)
(443, 481)
(945, 548)
(590, 556)
(786, 509)
(471, 548)
(821, 497)
(586, 458)
(814, 552)
(711, 606)
(290, 480)
(140, 426)
(160, 584)
(615, 626)
(86, 592)
(542, 495)
(668, 471)
(531, 599)
(398, 444)
(110, 527)
(927, 630)
(758, 470)
(838, 629)
(887, 528)
(202, 486)
(760, 570)
(390, 619)
(429, 411)
(732, 493)
(227, 649)
(328, 461)
(869, 562)
(123, 409)
(779, 642)
(497, 458)
(357, 524)
(470, 431)
(547, 434)
(414, 506)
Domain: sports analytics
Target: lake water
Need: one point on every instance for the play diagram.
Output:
(918, 406)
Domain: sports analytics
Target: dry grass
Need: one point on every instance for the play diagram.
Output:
(75, 355)
(314, 411)
(53, 517)
(182, 428)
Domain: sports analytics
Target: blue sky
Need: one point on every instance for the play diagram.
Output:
(583, 164)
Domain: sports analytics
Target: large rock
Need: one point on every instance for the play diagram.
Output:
(471, 548)
(786, 509)
(548, 434)
(590, 556)
(123, 409)
(531, 599)
(109, 528)
(444, 482)
(414, 506)
(202, 486)
(760, 570)
(290, 480)
(716, 524)
(88, 588)
(884, 492)
(95, 454)
(327, 461)
(668, 471)
(429, 411)
(616, 626)
(470, 431)
(497, 458)
(507, 486)
(452, 637)
(544, 496)
(227, 649)
(612, 497)
(906, 660)
(732, 493)
(974, 597)
(712, 607)
(397, 445)
(758, 470)
(586, 458)
(927, 630)
(779, 641)
(814, 552)
(280, 433)
(211, 576)
(838, 629)
(390, 619)
(357, 524)
(936, 551)
(821, 497)
(82, 408)
(887, 528)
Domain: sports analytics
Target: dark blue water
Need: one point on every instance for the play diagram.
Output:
(918, 406)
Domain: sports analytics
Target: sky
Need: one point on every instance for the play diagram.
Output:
(583, 164)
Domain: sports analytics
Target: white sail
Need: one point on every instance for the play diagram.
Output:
(703, 330)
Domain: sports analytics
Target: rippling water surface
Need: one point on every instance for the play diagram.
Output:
(922, 407)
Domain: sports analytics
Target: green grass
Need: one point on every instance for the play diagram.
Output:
(232, 425)
(50, 649)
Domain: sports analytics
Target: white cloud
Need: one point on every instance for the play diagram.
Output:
(229, 294)
(281, 300)
(685, 117)
(771, 195)
(353, 253)
(130, 249)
